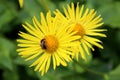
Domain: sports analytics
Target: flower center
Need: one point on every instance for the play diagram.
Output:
(49, 43)
(80, 30)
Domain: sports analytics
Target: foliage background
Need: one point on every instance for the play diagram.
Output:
(101, 65)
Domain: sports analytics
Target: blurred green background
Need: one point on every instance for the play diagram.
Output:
(101, 65)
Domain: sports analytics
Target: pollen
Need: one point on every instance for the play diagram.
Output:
(80, 30)
(49, 43)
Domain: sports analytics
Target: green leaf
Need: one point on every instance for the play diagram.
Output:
(108, 9)
(115, 74)
(111, 14)
(46, 3)
(7, 13)
(6, 47)
(50, 75)
(31, 8)
(10, 75)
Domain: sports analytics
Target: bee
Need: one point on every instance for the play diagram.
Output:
(43, 45)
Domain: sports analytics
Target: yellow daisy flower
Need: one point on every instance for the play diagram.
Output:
(46, 41)
(87, 25)
(21, 3)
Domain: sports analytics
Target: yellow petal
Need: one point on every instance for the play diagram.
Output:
(86, 48)
(82, 52)
(94, 42)
(39, 26)
(54, 61)
(62, 61)
(65, 55)
(39, 61)
(29, 37)
(34, 56)
(48, 63)
(21, 3)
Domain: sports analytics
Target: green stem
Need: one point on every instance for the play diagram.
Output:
(43, 3)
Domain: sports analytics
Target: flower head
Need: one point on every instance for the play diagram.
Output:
(87, 25)
(46, 42)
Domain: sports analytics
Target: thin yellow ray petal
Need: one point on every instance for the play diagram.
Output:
(31, 32)
(82, 53)
(69, 39)
(35, 29)
(43, 22)
(70, 29)
(75, 52)
(48, 63)
(42, 73)
(69, 10)
(97, 30)
(57, 59)
(30, 26)
(97, 44)
(60, 35)
(91, 15)
(94, 23)
(65, 51)
(39, 60)
(42, 62)
(21, 3)
(85, 14)
(61, 31)
(67, 36)
(77, 12)
(28, 37)
(59, 21)
(28, 45)
(28, 48)
(43, 66)
(63, 45)
(61, 16)
(72, 11)
(39, 26)
(88, 44)
(96, 34)
(54, 25)
(28, 53)
(49, 18)
(77, 55)
(89, 18)
(33, 56)
(97, 19)
(54, 61)
(90, 39)
(49, 22)
(27, 41)
(95, 26)
(66, 13)
(64, 55)
(81, 11)
(86, 48)
(38, 65)
(94, 41)
(60, 60)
